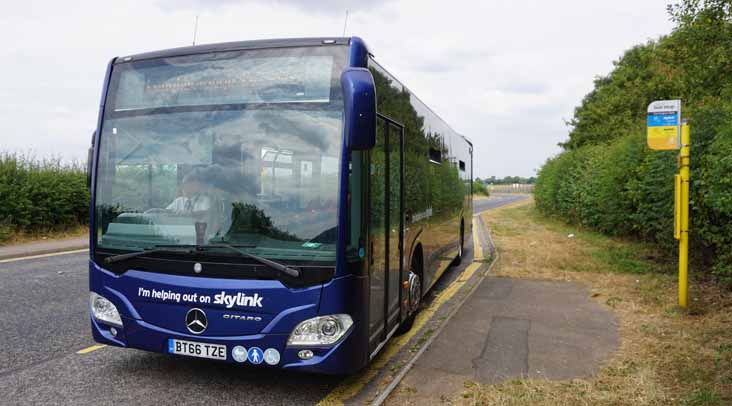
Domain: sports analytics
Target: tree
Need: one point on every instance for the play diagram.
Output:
(607, 179)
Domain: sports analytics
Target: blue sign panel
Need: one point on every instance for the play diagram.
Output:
(663, 119)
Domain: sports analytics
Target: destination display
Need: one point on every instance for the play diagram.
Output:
(180, 82)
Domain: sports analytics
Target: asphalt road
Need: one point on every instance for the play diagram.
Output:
(44, 310)
(496, 200)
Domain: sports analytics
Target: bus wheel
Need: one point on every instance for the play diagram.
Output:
(414, 291)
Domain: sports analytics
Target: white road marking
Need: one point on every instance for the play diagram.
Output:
(53, 254)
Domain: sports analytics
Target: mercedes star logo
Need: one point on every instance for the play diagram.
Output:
(196, 321)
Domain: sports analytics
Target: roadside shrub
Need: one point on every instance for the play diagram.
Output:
(604, 203)
(593, 185)
(480, 189)
(556, 185)
(569, 174)
(546, 186)
(652, 196)
(622, 188)
(589, 176)
(714, 199)
(6, 231)
(40, 195)
(607, 179)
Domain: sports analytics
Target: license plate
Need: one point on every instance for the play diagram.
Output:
(195, 349)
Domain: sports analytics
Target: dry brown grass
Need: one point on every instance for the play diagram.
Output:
(23, 238)
(667, 355)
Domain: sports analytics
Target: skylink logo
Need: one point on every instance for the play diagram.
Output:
(240, 299)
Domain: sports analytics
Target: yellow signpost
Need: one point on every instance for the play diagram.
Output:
(666, 132)
(683, 213)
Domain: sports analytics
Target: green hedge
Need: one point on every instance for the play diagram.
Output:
(619, 188)
(480, 189)
(608, 180)
(622, 188)
(40, 195)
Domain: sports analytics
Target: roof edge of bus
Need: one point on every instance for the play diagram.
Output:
(235, 46)
(411, 93)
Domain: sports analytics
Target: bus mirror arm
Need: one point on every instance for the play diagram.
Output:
(89, 158)
(359, 98)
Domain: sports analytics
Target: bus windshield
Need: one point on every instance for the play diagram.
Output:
(238, 148)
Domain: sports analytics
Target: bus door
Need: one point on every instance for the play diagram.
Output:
(386, 231)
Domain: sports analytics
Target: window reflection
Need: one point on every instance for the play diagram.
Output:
(263, 174)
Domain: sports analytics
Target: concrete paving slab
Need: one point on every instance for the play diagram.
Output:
(514, 328)
(472, 336)
(43, 247)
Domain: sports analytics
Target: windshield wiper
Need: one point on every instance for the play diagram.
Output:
(295, 273)
(130, 255)
(170, 248)
(272, 264)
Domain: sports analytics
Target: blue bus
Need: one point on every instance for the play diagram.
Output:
(279, 203)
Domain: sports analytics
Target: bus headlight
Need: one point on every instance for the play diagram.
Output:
(103, 310)
(322, 330)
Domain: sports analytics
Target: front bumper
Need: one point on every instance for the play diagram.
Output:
(148, 326)
(336, 359)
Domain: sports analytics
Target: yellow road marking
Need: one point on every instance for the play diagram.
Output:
(477, 248)
(87, 350)
(53, 254)
(352, 385)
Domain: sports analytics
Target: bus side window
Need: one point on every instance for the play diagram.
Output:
(435, 156)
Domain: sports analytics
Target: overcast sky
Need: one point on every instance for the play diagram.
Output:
(504, 73)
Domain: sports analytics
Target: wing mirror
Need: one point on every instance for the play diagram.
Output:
(359, 94)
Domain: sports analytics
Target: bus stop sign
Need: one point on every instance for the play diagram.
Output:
(664, 125)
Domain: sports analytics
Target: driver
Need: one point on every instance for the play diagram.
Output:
(193, 199)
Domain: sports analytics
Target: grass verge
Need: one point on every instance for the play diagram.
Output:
(667, 356)
(14, 238)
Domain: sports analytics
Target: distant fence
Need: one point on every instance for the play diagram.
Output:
(514, 188)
